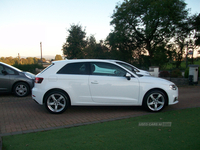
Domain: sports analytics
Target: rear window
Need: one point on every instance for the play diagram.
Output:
(47, 68)
(75, 68)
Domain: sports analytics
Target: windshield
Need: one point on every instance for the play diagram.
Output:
(16, 69)
(134, 70)
(131, 68)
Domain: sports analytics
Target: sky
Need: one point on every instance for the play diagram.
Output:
(26, 23)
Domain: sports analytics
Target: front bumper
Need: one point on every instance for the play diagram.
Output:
(173, 97)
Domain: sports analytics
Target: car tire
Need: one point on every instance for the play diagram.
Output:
(154, 101)
(56, 102)
(21, 89)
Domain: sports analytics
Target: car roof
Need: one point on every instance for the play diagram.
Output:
(81, 60)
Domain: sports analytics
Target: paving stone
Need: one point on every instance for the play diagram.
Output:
(23, 115)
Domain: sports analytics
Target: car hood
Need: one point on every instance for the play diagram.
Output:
(143, 72)
(151, 79)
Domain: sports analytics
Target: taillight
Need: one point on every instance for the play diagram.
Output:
(38, 80)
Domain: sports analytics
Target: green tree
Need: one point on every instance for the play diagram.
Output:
(161, 56)
(146, 23)
(9, 60)
(101, 51)
(121, 46)
(24, 61)
(2, 59)
(196, 26)
(183, 33)
(36, 60)
(30, 60)
(58, 57)
(96, 50)
(91, 46)
(75, 42)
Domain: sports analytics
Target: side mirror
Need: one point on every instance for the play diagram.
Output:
(128, 76)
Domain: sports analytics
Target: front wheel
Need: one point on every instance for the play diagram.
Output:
(56, 102)
(21, 89)
(154, 101)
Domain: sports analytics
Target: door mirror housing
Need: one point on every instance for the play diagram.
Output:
(128, 76)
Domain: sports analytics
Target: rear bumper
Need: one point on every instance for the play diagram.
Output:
(37, 96)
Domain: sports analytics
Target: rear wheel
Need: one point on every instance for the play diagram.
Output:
(154, 101)
(56, 102)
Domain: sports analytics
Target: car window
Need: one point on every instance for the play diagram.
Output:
(74, 68)
(9, 71)
(47, 68)
(128, 67)
(1, 69)
(107, 69)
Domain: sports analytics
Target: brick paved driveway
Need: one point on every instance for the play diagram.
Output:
(23, 115)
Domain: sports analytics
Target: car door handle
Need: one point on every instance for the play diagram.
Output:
(94, 82)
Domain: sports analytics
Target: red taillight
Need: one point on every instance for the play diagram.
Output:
(38, 80)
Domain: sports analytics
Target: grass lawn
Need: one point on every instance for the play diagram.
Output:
(144, 132)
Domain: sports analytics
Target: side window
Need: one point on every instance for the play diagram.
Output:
(106, 69)
(1, 69)
(74, 68)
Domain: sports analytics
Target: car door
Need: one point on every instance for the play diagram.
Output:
(108, 85)
(73, 77)
(4, 80)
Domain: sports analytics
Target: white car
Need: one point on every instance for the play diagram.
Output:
(131, 68)
(91, 82)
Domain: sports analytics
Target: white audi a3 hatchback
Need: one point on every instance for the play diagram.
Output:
(92, 82)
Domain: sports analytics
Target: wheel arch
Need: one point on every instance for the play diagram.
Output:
(57, 90)
(159, 89)
(12, 90)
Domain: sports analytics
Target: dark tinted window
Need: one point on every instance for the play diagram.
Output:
(1, 69)
(8, 70)
(74, 68)
(106, 69)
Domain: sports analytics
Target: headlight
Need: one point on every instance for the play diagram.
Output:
(173, 87)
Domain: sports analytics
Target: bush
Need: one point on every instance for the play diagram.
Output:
(186, 75)
(29, 67)
(176, 73)
(164, 74)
